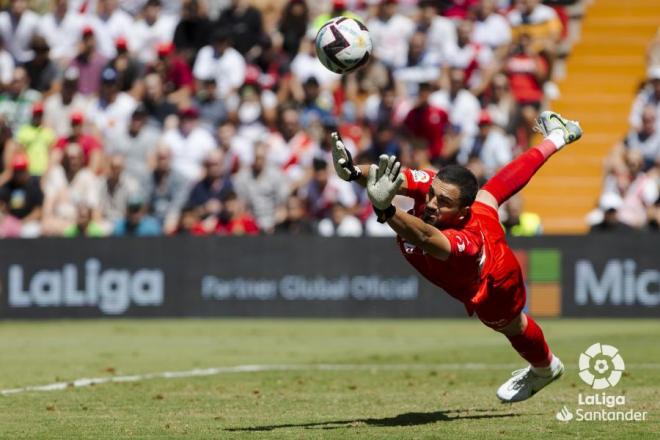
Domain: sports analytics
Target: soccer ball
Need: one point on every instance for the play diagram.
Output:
(343, 44)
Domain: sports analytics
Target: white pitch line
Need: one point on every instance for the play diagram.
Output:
(199, 372)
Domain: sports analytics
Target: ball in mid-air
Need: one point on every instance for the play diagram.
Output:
(343, 44)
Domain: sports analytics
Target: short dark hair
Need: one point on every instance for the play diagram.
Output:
(463, 179)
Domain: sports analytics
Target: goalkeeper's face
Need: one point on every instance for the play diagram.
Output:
(443, 205)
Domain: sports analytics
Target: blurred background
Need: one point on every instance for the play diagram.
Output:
(212, 118)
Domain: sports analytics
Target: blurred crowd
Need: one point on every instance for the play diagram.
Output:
(630, 198)
(203, 117)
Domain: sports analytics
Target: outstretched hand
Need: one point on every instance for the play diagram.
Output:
(384, 181)
(342, 160)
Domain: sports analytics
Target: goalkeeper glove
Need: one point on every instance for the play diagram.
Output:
(382, 185)
(342, 160)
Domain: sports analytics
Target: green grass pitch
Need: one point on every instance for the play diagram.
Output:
(403, 379)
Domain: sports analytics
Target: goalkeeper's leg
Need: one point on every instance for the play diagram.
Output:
(514, 176)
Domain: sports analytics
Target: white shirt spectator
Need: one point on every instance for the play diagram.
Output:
(112, 119)
(472, 58)
(644, 97)
(305, 66)
(107, 30)
(58, 116)
(6, 67)
(17, 40)
(496, 151)
(493, 32)
(390, 38)
(144, 37)
(648, 145)
(540, 14)
(228, 69)
(463, 110)
(350, 226)
(642, 193)
(441, 35)
(188, 152)
(62, 35)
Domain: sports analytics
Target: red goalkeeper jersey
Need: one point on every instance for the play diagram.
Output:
(481, 267)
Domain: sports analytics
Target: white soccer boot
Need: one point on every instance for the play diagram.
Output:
(526, 382)
(548, 122)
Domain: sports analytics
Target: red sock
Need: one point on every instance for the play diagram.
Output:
(531, 345)
(514, 176)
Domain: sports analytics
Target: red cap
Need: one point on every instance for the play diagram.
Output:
(19, 162)
(77, 117)
(189, 113)
(484, 118)
(38, 108)
(87, 31)
(164, 49)
(121, 43)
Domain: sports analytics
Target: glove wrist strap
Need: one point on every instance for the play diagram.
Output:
(383, 215)
(355, 174)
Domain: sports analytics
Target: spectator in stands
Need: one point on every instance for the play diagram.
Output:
(491, 29)
(7, 150)
(137, 222)
(245, 26)
(384, 141)
(136, 145)
(212, 111)
(59, 106)
(17, 100)
(154, 27)
(440, 31)
(60, 30)
(637, 189)
(324, 190)
(89, 62)
(189, 143)
(155, 100)
(233, 219)
(499, 102)
(41, 69)
(167, 191)
(67, 185)
(646, 139)
(175, 73)
(421, 65)
(209, 192)
(10, 226)
(527, 72)
(295, 218)
(23, 196)
(608, 218)
(263, 187)
(518, 222)
(305, 64)
(85, 225)
(116, 187)
(474, 59)
(6, 65)
(647, 96)
(189, 223)
(193, 29)
(490, 146)
(390, 32)
(461, 106)
(221, 61)
(314, 107)
(18, 25)
(110, 23)
(293, 25)
(112, 110)
(428, 122)
(91, 146)
(340, 223)
(129, 69)
(538, 22)
(36, 139)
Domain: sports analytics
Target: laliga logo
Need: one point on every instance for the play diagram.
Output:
(601, 366)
